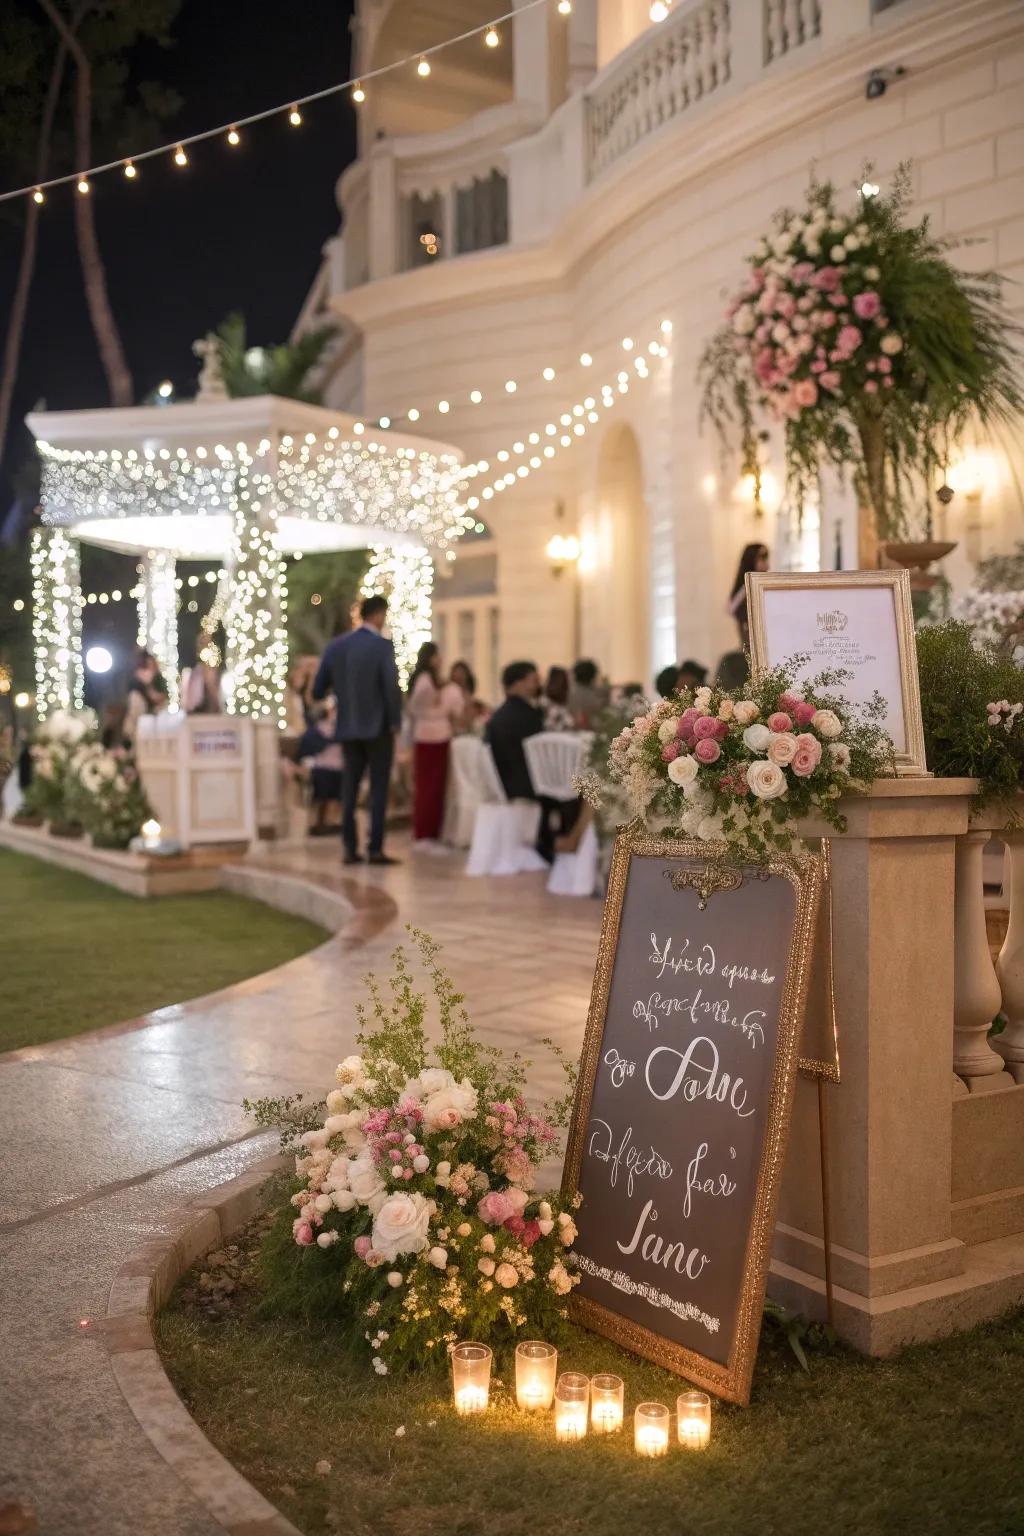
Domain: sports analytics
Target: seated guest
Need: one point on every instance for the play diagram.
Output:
(733, 671)
(555, 701)
(692, 675)
(667, 680)
(510, 725)
(588, 696)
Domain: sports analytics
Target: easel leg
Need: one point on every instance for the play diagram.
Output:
(826, 1212)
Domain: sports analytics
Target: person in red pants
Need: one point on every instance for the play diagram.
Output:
(435, 710)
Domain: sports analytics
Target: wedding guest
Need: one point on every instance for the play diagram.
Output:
(201, 692)
(555, 701)
(476, 711)
(667, 681)
(320, 752)
(435, 710)
(753, 558)
(147, 691)
(692, 674)
(359, 669)
(588, 696)
(732, 671)
(512, 723)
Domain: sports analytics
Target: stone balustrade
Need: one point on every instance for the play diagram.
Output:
(926, 1125)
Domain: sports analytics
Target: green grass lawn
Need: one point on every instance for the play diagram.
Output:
(78, 954)
(923, 1443)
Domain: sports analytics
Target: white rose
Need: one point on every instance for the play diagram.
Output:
(709, 829)
(487, 1243)
(463, 1229)
(394, 1279)
(433, 1079)
(421, 1163)
(744, 320)
(400, 1225)
(506, 1275)
(839, 754)
(546, 1226)
(363, 1180)
(667, 729)
(315, 1139)
(560, 1280)
(486, 1266)
(782, 748)
(766, 780)
(851, 243)
(327, 1239)
(745, 712)
(891, 343)
(323, 1203)
(344, 1200)
(838, 253)
(438, 1257)
(872, 274)
(683, 769)
(335, 1101)
(443, 1171)
(350, 1070)
(450, 1106)
(544, 1210)
(757, 737)
(827, 724)
(812, 245)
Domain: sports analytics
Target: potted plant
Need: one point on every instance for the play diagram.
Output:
(856, 333)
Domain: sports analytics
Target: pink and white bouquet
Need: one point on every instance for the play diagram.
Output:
(738, 769)
(416, 1217)
(854, 331)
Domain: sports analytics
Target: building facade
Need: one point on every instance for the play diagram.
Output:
(587, 190)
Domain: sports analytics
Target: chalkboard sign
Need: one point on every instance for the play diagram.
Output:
(683, 1103)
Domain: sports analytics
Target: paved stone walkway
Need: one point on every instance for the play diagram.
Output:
(103, 1138)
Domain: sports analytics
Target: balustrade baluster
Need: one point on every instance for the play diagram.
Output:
(976, 994)
(1010, 964)
(773, 31)
(723, 63)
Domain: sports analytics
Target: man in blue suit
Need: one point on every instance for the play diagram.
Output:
(359, 669)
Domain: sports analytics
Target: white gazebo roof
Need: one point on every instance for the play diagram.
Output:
(172, 478)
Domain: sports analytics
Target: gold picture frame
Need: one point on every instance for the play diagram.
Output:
(804, 872)
(910, 759)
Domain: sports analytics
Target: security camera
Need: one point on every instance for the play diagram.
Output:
(879, 79)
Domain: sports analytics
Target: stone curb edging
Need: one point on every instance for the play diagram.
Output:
(140, 1288)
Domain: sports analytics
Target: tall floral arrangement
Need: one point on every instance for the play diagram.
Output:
(855, 332)
(738, 769)
(415, 1216)
(972, 706)
(57, 739)
(994, 605)
(105, 794)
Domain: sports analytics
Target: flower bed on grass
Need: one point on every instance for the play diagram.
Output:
(918, 1443)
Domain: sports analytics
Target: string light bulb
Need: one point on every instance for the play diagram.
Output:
(491, 37)
(475, 396)
(83, 186)
(180, 157)
(658, 10)
(295, 117)
(234, 137)
(129, 170)
(423, 68)
(565, 7)
(39, 196)
(585, 359)
(358, 94)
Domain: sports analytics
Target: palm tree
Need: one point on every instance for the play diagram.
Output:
(282, 370)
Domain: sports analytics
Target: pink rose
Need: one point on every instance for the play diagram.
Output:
(495, 1208)
(670, 752)
(849, 339)
(516, 1225)
(884, 365)
(518, 1199)
(530, 1233)
(780, 721)
(810, 746)
(871, 386)
(830, 379)
(782, 748)
(705, 726)
(866, 305)
(687, 720)
(819, 365)
(374, 1259)
(707, 751)
(303, 1234)
(803, 763)
(788, 701)
(805, 392)
(362, 1247)
(803, 713)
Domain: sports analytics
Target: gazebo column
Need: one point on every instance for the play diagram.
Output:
(255, 622)
(56, 621)
(406, 579)
(158, 616)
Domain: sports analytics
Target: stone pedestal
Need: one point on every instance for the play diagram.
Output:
(899, 1270)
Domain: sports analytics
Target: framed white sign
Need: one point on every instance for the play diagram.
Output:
(861, 621)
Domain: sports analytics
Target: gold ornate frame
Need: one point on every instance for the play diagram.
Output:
(803, 871)
(911, 763)
(828, 1066)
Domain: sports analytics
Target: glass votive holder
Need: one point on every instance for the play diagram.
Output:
(536, 1364)
(471, 1377)
(606, 1394)
(572, 1405)
(693, 1418)
(650, 1429)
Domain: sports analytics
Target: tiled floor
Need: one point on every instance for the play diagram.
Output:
(102, 1138)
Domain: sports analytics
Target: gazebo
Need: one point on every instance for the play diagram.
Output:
(245, 482)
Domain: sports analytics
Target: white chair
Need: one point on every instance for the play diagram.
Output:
(11, 796)
(552, 759)
(504, 830)
(464, 790)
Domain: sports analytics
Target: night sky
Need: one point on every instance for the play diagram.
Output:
(237, 229)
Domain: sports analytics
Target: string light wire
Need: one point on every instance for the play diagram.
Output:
(289, 107)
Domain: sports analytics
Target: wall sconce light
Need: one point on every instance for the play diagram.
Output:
(562, 549)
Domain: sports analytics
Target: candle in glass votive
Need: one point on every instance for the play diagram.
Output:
(650, 1429)
(572, 1404)
(693, 1416)
(606, 1393)
(536, 1364)
(471, 1377)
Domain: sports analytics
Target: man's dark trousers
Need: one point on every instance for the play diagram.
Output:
(374, 754)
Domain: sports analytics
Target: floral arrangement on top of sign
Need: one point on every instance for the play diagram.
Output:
(77, 782)
(855, 331)
(737, 769)
(415, 1218)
